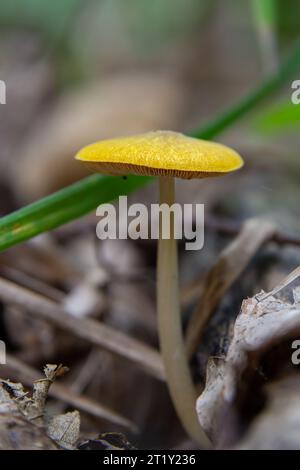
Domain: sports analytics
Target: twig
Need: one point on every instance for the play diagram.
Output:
(28, 281)
(86, 372)
(285, 282)
(224, 227)
(88, 329)
(231, 228)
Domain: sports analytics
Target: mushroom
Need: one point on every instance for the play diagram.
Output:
(167, 155)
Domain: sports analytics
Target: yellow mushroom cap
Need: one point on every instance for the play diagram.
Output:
(160, 153)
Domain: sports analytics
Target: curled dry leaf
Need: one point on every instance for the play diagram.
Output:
(68, 395)
(16, 430)
(260, 352)
(22, 416)
(41, 389)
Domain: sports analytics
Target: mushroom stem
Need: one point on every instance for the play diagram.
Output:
(179, 380)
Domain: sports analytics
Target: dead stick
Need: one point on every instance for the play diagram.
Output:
(231, 228)
(90, 330)
(224, 227)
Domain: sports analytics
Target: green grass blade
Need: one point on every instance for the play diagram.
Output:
(63, 206)
(80, 198)
(278, 119)
(266, 12)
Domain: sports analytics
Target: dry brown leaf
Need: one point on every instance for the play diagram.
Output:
(64, 429)
(22, 424)
(66, 395)
(16, 433)
(278, 427)
(260, 326)
(33, 407)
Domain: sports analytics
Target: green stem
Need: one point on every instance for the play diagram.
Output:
(179, 380)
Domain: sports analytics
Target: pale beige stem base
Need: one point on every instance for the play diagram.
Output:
(179, 380)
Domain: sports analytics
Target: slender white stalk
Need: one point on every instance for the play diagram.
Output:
(179, 380)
